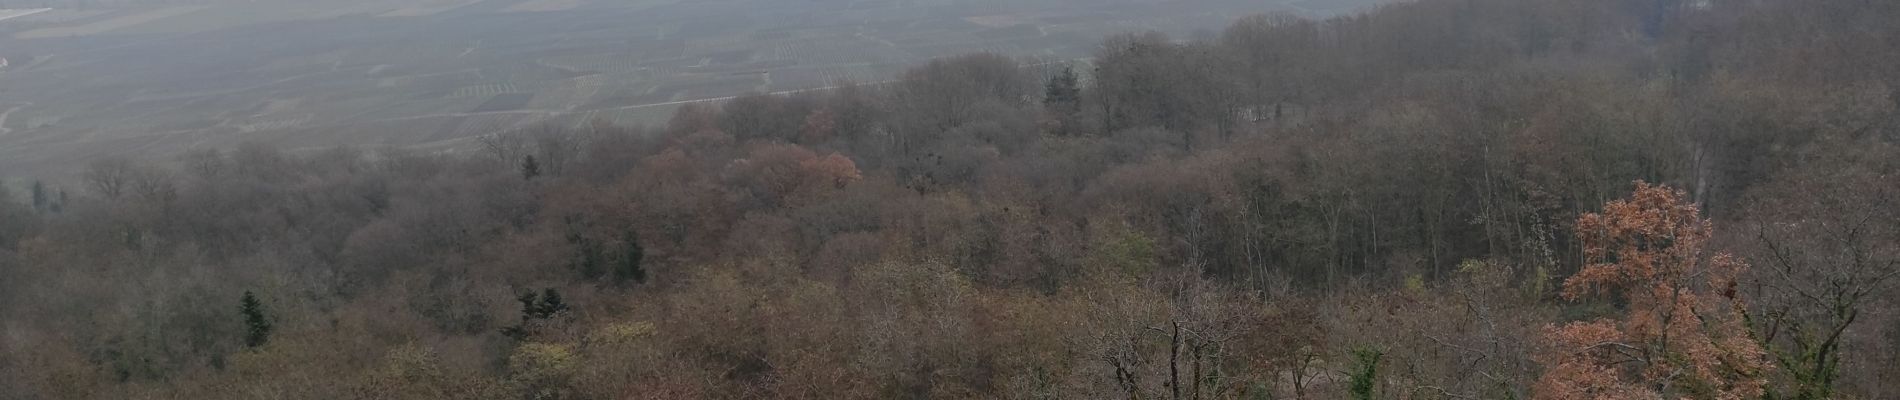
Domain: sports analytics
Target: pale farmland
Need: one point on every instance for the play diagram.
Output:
(154, 81)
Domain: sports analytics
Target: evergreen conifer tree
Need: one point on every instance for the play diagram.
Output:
(257, 324)
(630, 262)
(39, 196)
(1063, 93)
(530, 168)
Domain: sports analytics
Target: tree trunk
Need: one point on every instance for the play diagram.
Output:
(1174, 361)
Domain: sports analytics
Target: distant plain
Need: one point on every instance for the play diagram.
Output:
(151, 81)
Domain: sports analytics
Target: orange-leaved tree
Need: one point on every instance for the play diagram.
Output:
(1680, 334)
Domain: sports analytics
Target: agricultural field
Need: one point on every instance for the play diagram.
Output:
(6, 14)
(155, 80)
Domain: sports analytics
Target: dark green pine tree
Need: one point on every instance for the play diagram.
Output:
(530, 310)
(530, 305)
(257, 325)
(630, 268)
(1063, 94)
(530, 168)
(551, 304)
(542, 307)
(40, 199)
(588, 257)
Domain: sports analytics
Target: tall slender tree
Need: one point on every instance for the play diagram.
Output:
(40, 198)
(630, 262)
(256, 321)
(1062, 94)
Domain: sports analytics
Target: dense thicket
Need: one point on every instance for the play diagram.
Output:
(1373, 206)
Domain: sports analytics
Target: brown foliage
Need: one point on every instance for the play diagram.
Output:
(1681, 333)
(1219, 219)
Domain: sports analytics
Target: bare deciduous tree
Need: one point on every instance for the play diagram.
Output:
(110, 177)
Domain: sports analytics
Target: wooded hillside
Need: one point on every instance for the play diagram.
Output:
(1440, 199)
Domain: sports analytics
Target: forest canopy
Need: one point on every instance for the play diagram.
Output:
(1436, 199)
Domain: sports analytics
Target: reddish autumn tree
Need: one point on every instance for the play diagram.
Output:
(835, 169)
(1681, 333)
(820, 126)
(772, 173)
